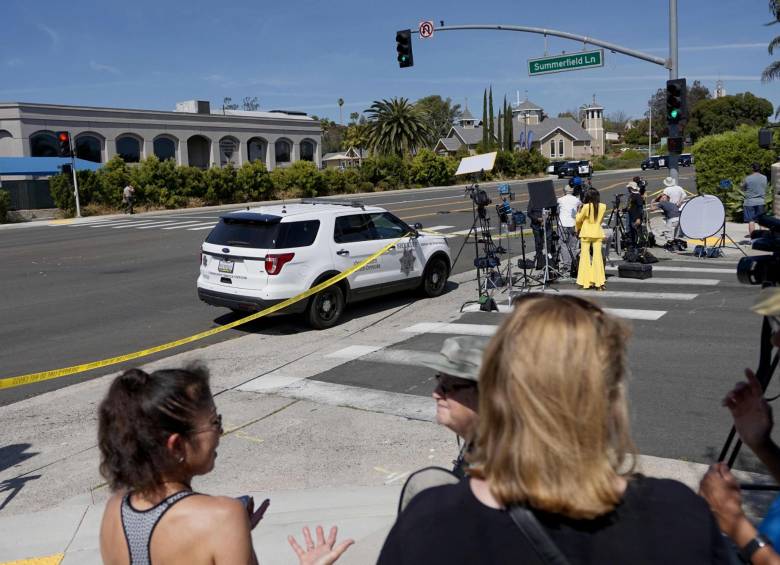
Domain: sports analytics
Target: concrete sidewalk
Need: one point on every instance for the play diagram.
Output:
(69, 534)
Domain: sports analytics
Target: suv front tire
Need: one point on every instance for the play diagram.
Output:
(434, 278)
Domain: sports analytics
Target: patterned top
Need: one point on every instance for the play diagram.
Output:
(139, 525)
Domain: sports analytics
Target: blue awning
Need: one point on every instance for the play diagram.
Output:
(41, 166)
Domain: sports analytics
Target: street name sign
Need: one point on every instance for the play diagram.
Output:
(568, 62)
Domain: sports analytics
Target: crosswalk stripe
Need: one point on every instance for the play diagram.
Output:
(708, 270)
(625, 313)
(353, 352)
(158, 224)
(629, 294)
(484, 330)
(377, 354)
(111, 223)
(131, 224)
(205, 227)
(669, 281)
(181, 225)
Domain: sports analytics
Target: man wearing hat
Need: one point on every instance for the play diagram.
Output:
(636, 212)
(674, 191)
(456, 393)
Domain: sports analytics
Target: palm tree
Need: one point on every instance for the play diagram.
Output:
(773, 70)
(396, 127)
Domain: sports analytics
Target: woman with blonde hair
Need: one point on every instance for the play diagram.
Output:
(553, 455)
(588, 223)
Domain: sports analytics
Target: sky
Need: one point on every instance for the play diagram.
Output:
(305, 55)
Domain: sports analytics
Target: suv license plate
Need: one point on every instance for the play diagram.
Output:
(225, 266)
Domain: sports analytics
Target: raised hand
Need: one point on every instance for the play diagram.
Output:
(750, 410)
(321, 553)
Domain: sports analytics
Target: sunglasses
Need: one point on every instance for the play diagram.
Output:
(447, 386)
(214, 426)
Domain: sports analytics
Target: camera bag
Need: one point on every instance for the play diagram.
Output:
(635, 271)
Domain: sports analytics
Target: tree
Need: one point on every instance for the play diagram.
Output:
(396, 127)
(637, 135)
(573, 114)
(227, 104)
(250, 103)
(332, 135)
(508, 140)
(491, 126)
(773, 69)
(353, 117)
(356, 135)
(500, 129)
(718, 115)
(696, 93)
(657, 105)
(485, 138)
(616, 121)
(441, 114)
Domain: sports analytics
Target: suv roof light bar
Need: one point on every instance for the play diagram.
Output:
(351, 203)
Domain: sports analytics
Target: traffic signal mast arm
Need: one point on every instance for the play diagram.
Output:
(667, 63)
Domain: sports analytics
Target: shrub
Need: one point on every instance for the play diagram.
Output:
(429, 169)
(156, 183)
(5, 204)
(305, 178)
(192, 181)
(530, 163)
(112, 179)
(221, 184)
(254, 182)
(390, 168)
(728, 156)
(507, 163)
(61, 191)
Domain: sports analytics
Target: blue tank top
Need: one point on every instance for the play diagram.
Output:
(139, 525)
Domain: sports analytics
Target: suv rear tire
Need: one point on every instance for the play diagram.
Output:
(325, 308)
(434, 278)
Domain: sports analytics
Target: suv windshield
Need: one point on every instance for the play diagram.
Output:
(264, 235)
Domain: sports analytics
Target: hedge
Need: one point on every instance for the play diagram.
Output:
(5, 203)
(164, 184)
(729, 156)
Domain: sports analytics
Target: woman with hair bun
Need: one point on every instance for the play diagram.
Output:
(588, 223)
(155, 433)
(553, 454)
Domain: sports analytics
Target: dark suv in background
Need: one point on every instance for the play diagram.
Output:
(575, 168)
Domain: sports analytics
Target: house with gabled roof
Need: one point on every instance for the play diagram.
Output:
(352, 157)
(465, 134)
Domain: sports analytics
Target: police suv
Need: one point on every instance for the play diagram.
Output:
(262, 256)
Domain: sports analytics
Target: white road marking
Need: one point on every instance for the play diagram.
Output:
(686, 269)
(633, 314)
(484, 330)
(113, 223)
(268, 382)
(669, 281)
(205, 227)
(353, 352)
(158, 224)
(438, 228)
(132, 224)
(180, 225)
(629, 294)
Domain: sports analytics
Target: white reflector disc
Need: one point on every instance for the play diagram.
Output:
(702, 216)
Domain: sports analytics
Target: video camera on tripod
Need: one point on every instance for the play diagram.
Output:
(480, 199)
(763, 269)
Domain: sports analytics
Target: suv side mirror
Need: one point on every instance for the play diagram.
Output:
(417, 226)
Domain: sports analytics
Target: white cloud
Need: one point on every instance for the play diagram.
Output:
(53, 35)
(103, 68)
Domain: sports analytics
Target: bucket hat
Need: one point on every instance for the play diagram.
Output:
(460, 357)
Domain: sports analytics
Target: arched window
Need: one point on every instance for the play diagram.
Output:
(560, 147)
(199, 151)
(256, 149)
(552, 148)
(165, 148)
(129, 148)
(89, 148)
(6, 143)
(307, 150)
(283, 149)
(44, 144)
(228, 151)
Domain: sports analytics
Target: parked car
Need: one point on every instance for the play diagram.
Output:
(655, 162)
(256, 258)
(575, 168)
(554, 166)
(685, 160)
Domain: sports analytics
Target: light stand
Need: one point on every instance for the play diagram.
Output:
(547, 270)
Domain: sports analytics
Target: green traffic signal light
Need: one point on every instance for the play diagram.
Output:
(673, 114)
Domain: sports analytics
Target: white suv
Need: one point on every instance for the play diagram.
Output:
(259, 257)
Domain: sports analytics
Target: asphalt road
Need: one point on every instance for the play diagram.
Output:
(71, 294)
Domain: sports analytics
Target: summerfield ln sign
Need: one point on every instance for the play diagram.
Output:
(561, 63)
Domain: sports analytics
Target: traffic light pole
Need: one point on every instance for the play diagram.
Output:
(75, 183)
(675, 130)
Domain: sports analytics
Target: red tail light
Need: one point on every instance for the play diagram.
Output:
(275, 262)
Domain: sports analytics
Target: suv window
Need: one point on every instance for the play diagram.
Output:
(350, 229)
(262, 234)
(388, 226)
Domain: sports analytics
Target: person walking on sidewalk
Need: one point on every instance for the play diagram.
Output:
(156, 432)
(553, 455)
(128, 198)
(754, 186)
(591, 272)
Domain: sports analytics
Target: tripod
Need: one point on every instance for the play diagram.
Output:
(548, 272)
(487, 274)
(616, 221)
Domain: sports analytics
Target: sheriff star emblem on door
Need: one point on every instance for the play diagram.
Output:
(407, 261)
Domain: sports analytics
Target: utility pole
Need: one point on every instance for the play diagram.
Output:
(675, 130)
(650, 133)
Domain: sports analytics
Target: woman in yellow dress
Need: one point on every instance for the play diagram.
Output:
(588, 222)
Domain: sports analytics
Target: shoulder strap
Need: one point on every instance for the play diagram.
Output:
(532, 530)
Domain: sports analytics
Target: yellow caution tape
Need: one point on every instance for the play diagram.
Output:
(11, 382)
(48, 560)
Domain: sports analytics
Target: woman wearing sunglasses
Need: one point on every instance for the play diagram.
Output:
(553, 455)
(156, 433)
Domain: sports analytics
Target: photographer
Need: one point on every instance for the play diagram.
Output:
(671, 218)
(636, 213)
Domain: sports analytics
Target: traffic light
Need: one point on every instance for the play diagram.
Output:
(63, 139)
(403, 41)
(675, 145)
(676, 105)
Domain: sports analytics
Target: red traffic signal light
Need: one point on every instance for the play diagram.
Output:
(63, 140)
(403, 40)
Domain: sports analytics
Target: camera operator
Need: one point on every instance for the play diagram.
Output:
(671, 218)
(577, 190)
(568, 206)
(636, 213)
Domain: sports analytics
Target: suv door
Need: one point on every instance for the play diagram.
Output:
(354, 240)
(404, 261)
